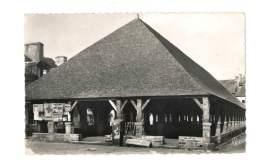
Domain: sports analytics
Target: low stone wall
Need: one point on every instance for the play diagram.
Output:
(188, 142)
(229, 135)
(56, 137)
(155, 140)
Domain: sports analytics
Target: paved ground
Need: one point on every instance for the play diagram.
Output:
(36, 147)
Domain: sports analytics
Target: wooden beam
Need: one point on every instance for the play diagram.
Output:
(145, 104)
(139, 105)
(113, 104)
(134, 104)
(123, 105)
(200, 105)
(74, 105)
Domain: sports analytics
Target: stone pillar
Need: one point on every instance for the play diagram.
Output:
(218, 130)
(230, 122)
(50, 127)
(68, 129)
(139, 129)
(205, 123)
(224, 124)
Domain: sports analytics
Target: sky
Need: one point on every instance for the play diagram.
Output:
(216, 41)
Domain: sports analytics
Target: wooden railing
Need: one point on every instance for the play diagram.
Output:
(130, 128)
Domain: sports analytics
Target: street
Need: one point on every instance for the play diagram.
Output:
(36, 147)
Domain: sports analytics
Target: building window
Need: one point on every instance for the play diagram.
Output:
(90, 117)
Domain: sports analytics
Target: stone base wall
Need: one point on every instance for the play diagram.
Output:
(229, 135)
(56, 137)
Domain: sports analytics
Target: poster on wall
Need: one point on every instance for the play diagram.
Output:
(38, 112)
(67, 107)
(57, 109)
(47, 111)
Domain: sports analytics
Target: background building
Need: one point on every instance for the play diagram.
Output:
(236, 86)
(36, 65)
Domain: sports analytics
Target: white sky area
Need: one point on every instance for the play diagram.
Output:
(216, 41)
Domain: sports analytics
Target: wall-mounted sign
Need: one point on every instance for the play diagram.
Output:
(47, 111)
(38, 112)
(57, 110)
(67, 107)
(190, 142)
(52, 112)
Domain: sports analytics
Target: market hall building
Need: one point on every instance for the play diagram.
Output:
(134, 84)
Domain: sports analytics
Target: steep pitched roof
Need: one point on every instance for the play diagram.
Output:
(134, 60)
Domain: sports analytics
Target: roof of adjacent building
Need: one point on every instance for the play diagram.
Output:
(133, 61)
(241, 92)
(230, 85)
(45, 63)
(27, 59)
(238, 90)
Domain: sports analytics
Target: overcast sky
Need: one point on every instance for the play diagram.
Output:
(215, 41)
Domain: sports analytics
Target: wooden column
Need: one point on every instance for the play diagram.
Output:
(69, 127)
(117, 126)
(225, 125)
(118, 106)
(228, 121)
(218, 130)
(206, 124)
(139, 105)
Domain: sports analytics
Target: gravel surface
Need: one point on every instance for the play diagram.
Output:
(36, 147)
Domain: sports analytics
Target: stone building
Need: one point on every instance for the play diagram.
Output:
(36, 65)
(134, 84)
(236, 86)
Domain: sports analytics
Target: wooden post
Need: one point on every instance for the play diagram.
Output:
(139, 105)
(117, 128)
(225, 125)
(118, 107)
(218, 130)
(206, 124)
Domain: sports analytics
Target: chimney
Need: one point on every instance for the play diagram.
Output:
(60, 60)
(34, 51)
